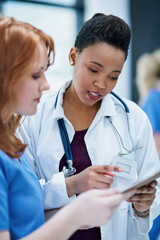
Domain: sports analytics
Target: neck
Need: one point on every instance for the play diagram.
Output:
(71, 98)
(79, 114)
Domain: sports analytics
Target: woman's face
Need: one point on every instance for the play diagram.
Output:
(34, 83)
(96, 71)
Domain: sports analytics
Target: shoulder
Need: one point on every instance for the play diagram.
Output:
(3, 155)
(47, 101)
(134, 109)
(5, 161)
(151, 98)
(45, 109)
(136, 114)
(153, 94)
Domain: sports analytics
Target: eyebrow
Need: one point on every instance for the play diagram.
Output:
(98, 64)
(41, 68)
(103, 67)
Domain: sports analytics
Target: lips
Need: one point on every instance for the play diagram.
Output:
(94, 95)
(37, 100)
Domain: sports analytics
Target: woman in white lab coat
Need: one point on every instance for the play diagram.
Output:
(99, 132)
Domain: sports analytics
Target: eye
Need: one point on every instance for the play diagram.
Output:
(35, 76)
(92, 70)
(113, 78)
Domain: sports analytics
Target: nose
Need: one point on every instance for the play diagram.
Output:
(44, 85)
(101, 83)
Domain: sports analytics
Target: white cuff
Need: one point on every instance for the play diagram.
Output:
(143, 223)
(55, 192)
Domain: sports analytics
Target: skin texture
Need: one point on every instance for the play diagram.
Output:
(94, 177)
(96, 72)
(96, 69)
(33, 84)
(144, 197)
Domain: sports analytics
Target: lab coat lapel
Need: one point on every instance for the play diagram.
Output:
(107, 108)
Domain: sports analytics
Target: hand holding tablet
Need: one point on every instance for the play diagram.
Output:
(142, 182)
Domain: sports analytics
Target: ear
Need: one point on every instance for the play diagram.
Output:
(72, 56)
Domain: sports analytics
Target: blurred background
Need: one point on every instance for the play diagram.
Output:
(63, 18)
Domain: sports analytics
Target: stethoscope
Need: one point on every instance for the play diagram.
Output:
(70, 170)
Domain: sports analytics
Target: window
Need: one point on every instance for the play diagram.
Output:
(59, 22)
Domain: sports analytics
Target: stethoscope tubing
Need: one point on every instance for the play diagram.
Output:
(65, 139)
(123, 103)
(67, 145)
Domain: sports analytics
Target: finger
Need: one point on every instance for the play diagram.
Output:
(128, 194)
(110, 174)
(142, 198)
(101, 185)
(115, 200)
(104, 178)
(147, 190)
(113, 168)
(107, 169)
(143, 205)
(109, 192)
(84, 227)
(152, 184)
(115, 191)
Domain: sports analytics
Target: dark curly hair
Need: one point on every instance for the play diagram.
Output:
(109, 29)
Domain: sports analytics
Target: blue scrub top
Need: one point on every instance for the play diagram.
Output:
(151, 106)
(21, 202)
(154, 233)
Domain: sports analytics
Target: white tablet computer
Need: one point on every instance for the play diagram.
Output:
(141, 182)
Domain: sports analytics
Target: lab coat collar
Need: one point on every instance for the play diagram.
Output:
(107, 107)
(59, 112)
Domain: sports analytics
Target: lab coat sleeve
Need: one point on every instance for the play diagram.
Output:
(54, 190)
(148, 162)
(23, 133)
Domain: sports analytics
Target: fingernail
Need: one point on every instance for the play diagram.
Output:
(120, 169)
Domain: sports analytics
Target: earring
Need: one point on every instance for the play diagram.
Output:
(71, 63)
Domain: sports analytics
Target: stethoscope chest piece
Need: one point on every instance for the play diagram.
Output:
(70, 170)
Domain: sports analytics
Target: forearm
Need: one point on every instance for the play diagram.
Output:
(60, 227)
(145, 219)
(71, 185)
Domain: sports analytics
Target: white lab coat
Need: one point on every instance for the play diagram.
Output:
(45, 151)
